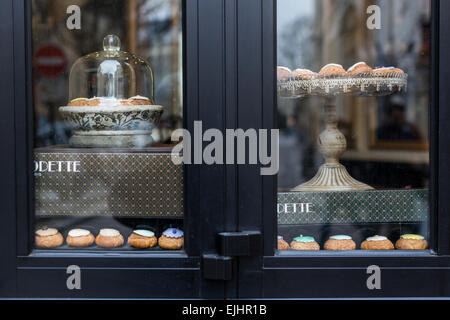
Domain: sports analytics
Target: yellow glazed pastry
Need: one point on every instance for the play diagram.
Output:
(411, 242)
(80, 238)
(109, 238)
(340, 243)
(48, 238)
(305, 243)
(377, 243)
(79, 102)
(142, 239)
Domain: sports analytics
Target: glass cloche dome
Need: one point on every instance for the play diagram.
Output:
(110, 77)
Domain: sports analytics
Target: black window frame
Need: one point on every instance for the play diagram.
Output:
(229, 82)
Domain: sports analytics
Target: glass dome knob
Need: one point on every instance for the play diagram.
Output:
(111, 43)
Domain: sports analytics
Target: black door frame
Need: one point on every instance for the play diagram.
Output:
(209, 190)
(303, 275)
(229, 63)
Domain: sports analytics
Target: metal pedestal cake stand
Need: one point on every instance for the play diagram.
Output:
(333, 176)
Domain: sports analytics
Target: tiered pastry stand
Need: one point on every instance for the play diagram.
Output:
(333, 176)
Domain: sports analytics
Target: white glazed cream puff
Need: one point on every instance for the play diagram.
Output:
(303, 74)
(377, 243)
(383, 71)
(80, 238)
(94, 102)
(139, 101)
(305, 243)
(48, 238)
(359, 68)
(109, 238)
(340, 243)
(171, 239)
(283, 73)
(331, 69)
(411, 242)
(142, 239)
(398, 70)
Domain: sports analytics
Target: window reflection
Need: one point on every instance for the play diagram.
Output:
(126, 191)
(150, 29)
(387, 136)
(393, 128)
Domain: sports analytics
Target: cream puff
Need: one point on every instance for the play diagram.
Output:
(142, 239)
(411, 242)
(340, 243)
(94, 102)
(377, 243)
(383, 71)
(124, 103)
(80, 238)
(303, 74)
(282, 244)
(109, 238)
(139, 101)
(283, 73)
(331, 69)
(398, 70)
(305, 243)
(48, 238)
(171, 239)
(79, 102)
(359, 68)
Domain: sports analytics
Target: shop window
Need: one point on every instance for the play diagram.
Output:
(107, 94)
(353, 112)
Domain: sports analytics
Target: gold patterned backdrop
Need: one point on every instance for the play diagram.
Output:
(108, 184)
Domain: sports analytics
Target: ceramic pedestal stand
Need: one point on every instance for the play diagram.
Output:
(112, 127)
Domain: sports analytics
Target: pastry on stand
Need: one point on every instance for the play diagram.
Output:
(332, 69)
(359, 68)
(333, 81)
(111, 101)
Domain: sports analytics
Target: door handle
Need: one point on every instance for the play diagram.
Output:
(231, 245)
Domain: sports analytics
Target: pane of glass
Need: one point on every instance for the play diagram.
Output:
(353, 113)
(107, 88)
